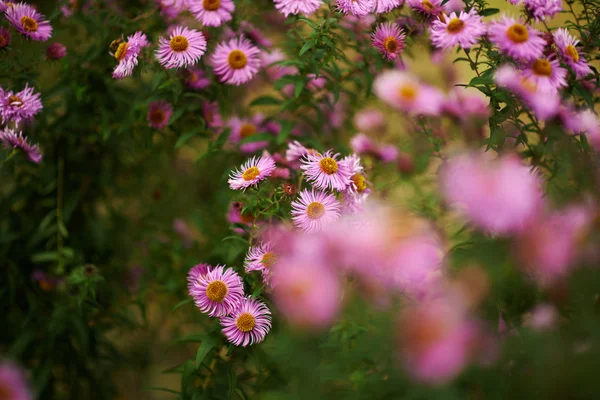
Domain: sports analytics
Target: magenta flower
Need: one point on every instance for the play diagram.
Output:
(383, 6)
(426, 7)
(19, 106)
(566, 45)
(236, 61)
(515, 39)
(4, 37)
(261, 258)
(13, 140)
(358, 182)
(56, 51)
(127, 54)
(248, 324)
(195, 78)
(546, 74)
(313, 210)
(171, 8)
(219, 292)
(359, 8)
(210, 112)
(388, 38)
(404, 92)
(197, 272)
(543, 317)
(275, 71)
(13, 385)
(463, 29)
(159, 114)
(184, 48)
(466, 105)
(29, 22)
(324, 171)
(540, 9)
(305, 7)
(244, 128)
(253, 171)
(369, 120)
(212, 12)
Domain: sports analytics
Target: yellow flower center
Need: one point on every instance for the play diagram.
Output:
(245, 322)
(517, 33)
(216, 291)
(15, 101)
(237, 59)
(247, 130)
(29, 24)
(360, 182)
(572, 53)
(179, 43)
(121, 50)
(3, 41)
(268, 259)
(427, 5)
(390, 44)
(455, 25)
(529, 85)
(315, 210)
(211, 5)
(542, 67)
(408, 91)
(328, 165)
(157, 116)
(10, 4)
(251, 173)
(6, 392)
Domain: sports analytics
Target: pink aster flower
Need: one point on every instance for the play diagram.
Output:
(247, 127)
(313, 210)
(369, 120)
(29, 22)
(304, 7)
(588, 123)
(463, 29)
(13, 140)
(56, 51)
(542, 317)
(358, 182)
(19, 106)
(212, 12)
(261, 258)
(540, 9)
(253, 171)
(515, 39)
(466, 105)
(159, 114)
(69, 8)
(426, 7)
(235, 216)
(196, 78)
(275, 71)
(359, 8)
(389, 39)
(185, 47)
(13, 384)
(197, 272)
(295, 152)
(4, 37)
(546, 74)
(406, 93)
(171, 8)
(127, 54)
(236, 61)
(383, 6)
(567, 48)
(219, 292)
(324, 171)
(210, 112)
(248, 324)
(502, 196)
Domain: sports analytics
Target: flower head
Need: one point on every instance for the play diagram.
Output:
(126, 53)
(369, 120)
(248, 324)
(56, 51)
(197, 272)
(546, 74)
(196, 78)
(383, 6)
(253, 171)
(324, 171)
(219, 292)
(540, 9)
(19, 106)
(159, 114)
(313, 210)
(261, 258)
(11, 139)
(516, 39)
(360, 8)
(567, 48)
(171, 8)
(236, 61)
(210, 111)
(29, 22)
(305, 7)
(389, 39)
(4, 37)
(463, 29)
(426, 7)
(212, 12)
(13, 385)
(184, 48)
(405, 92)
(247, 127)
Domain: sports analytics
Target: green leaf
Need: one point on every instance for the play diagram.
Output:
(165, 390)
(181, 303)
(45, 257)
(258, 137)
(286, 128)
(206, 346)
(265, 101)
(307, 46)
(298, 87)
(184, 138)
(489, 11)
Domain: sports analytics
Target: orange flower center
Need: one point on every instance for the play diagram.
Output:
(179, 43)
(427, 5)
(328, 165)
(245, 322)
(6, 392)
(455, 25)
(572, 53)
(157, 116)
(247, 130)
(121, 51)
(408, 91)
(315, 210)
(517, 33)
(29, 24)
(360, 182)
(3, 41)
(15, 101)
(268, 259)
(216, 291)
(211, 5)
(542, 67)
(390, 44)
(237, 59)
(251, 173)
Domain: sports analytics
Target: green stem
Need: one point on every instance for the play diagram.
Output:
(59, 216)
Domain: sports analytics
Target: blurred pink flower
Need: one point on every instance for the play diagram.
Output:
(404, 92)
(369, 120)
(542, 317)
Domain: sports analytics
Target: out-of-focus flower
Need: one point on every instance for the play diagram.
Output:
(388, 38)
(182, 229)
(210, 111)
(236, 61)
(133, 278)
(56, 51)
(324, 171)
(11, 139)
(13, 384)
(261, 258)
(542, 317)
(252, 172)
(235, 216)
(19, 106)
(275, 71)
(295, 152)
(426, 7)
(211, 12)
(313, 210)
(369, 120)
(383, 6)
(540, 9)
(219, 292)
(463, 29)
(244, 128)
(359, 8)
(4, 37)
(248, 324)
(171, 8)
(47, 283)
(29, 22)
(465, 105)
(196, 78)
(453, 6)
(184, 48)
(363, 144)
(304, 7)
(404, 92)
(126, 53)
(159, 114)
(516, 39)
(567, 48)
(546, 74)
(502, 196)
